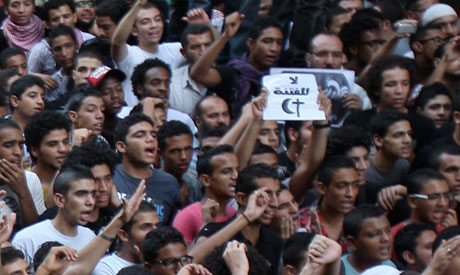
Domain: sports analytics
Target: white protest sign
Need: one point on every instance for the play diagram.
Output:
(292, 97)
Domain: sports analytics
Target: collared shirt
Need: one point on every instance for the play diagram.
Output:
(185, 92)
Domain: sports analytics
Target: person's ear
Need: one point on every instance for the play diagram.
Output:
(121, 146)
(290, 270)
(351, 240)
(14, 101)
(309, 59)
(417, 47)
(378, 141)
(322, 188)
(418, 110)
(140, 90)
(354, 50)
(409, 257)
(183, 52)
(123, 235)
(205, 180)
(293, 135)
(456, 116)
(134, 31)
(436, 61)
(197, 121)
(34, 151)
(412, 201)
(387, 25)
(147, 265)
(250, 43)
(73, 116)
(59, 200)
(241, 198)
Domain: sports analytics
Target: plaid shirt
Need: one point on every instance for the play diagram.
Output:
(305, 221)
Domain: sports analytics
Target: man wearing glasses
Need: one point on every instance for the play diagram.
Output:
(429, 198)
(86, 13)
(443, 17)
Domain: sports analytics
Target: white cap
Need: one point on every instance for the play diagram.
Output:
(381, 270)
(436, 11)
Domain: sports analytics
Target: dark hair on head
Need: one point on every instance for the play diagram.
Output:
(55, 5)
(434, 157)
(80, 93)
(246, 182)
(204, 166)
(138, 76)
(411, 5)
(194, 29)
(123, 126)
(134, 269)
(87, 53)
(212, 132)
(90, 154)
(343, 139)
(446, 234)
(421, 33)
(370, 13)
(263, 149)
(66, 176)
(374, 79)
(456, 106)
(416, 180)
(331, 165)
(406, 239)
(215, 263)
(10, 254)
(5, 76)
(25, 82)
(336, 10)
(390, 10)
(294, 124)
(382, 121)
(41, 124)
(8, 123)
(143, 208)
(163, 8)
(43, 251)
(354, 220)
(114, 9)
(263, 24)
(352, 32)
(295, 248)
(8, 53)
(61, 30)
(429, 92)
(159, 238)
(171, 129)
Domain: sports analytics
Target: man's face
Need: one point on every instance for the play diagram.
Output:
(305, 134)
(421, 7)
(273, 188)
(85, 66)
(431, 42)
(208, 143)
(160, 118)
(170, 251)
(398, 140)
(197, 45)
(112, 95)
(148, 26)
(177, 154)
(90, 115)
(370, 43)
(53, 148)
(395, 89)
(338, 21)
(104, 184)
(156, 84)
(143, 223)
(449, 166)
(141, 144)
(64, 50)
(327, 52)
(424, 249)
(106, 28)
(264, 8)
(85, 11)
(431, 210)
(266, 158)
(20, 11)
(374, 241)
(288, 208)
(214, 113)
(61, 15)
(270, 134)
(340, 194)
(18, 267)
(352, 6)
(265, 50)
(360, 156)
(79, 202)
(18, 62)
(448, 25)
(439, 109)
(11, 144)
(222, 182)
(32, 101)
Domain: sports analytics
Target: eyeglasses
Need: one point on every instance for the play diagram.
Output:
(81, 4)
(173, 263)
(434, 196)
(325, 54)
(438, 41)
(374, 44)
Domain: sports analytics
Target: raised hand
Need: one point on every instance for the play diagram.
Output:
(194, 269)
(258, 104)
(257, 203)
(13, 175)
(232, 24)
(7, 223)
(235, 258)
(80, 136)
(130, 207)
(352, 102)
(288, 228)
(323, 250)
(389, 196)
(209, 209)
(196, 16)
(324, 102)
(57, 259)
(450, 219)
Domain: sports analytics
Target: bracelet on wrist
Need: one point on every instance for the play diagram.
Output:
(106, 237)
(246, 217)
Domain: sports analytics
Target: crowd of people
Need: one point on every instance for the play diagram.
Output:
(132, 138)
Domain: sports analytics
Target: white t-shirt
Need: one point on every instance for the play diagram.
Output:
(168, 52)
(110, 265)
(30, 238)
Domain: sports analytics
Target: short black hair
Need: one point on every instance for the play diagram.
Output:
(87, 53)
(351, 33)
(331, 165)
(332, 13)
(163, 8)
(55, 5)
(417, 180)
(343, 139)
(194, 29)
(261, 149)
(114, 9)
(90, 154)
(143, 208)
(8, 123)
(354, 220)
(292, 124)
(42, 252)
(446, 234)
(123, 126)
(246, 182)
(390, 10)
(382, 121)
(429, 92)
(10, 254)
(138, 76)
(8, 53)
(263, 24)
(5, 76)
(134, 269)
(61, 30)
(41, 124)
(171, 129)
(66, 176)
(203, 165)
(406, 239)
(434, 158)
(457, 102)
(81, 92)
(295, 248)
(159, 238)
(22, 84)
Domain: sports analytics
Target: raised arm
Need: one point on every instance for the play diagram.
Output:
(203, 70)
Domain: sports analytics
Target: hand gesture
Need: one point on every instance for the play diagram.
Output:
(443, 256)
(257, 203)
(258, 104)
(315, 225)
(13, 175)
(389, 196)
(58, 258)
(323, 250)
(324, 102)
(80, 136)
(235, 257)
(7, 223)
(114, 199)
(130, 207)
(232, 24)
(196, 16)
(209, 209)
(450, 218)
(352, 102)
(288, 228)
(194, 269)
(50, 82)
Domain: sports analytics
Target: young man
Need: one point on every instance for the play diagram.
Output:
(436, 103)
(287, 218)
(256, 191)
(443, 17)
(137, 143)
(74, 191)
(338, 183)
(27, 98)
(218, 172)
(85, 13)
(131, 235)
(416, 8)
(47, 140)
(14, 58)
(13, 262)
(297, 134)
